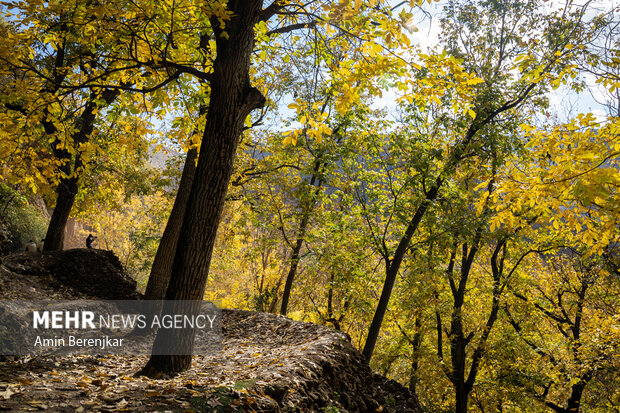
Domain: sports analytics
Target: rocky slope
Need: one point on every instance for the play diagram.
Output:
(268, 363)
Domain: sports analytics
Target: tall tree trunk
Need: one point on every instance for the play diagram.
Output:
(391, 271)
(288, 285)
(458, 340)
(392, 266)
(461, 390)
(65, 196)
(164, 258)
(231, 101)
(307, 208)
(574, 402)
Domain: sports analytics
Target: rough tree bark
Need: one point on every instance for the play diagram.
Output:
(65, 196)
(231, 101)
(161, 269)
(164, 258)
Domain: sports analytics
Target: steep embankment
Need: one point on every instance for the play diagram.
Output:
(268, 363)
(70, 274)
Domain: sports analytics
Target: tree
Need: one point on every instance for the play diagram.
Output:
(162, 263)
(53, 63)
(576, 307)
(232, 98)
(164, 258)
(477, 96)
(571, 171)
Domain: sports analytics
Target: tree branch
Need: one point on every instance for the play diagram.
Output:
(292, 27)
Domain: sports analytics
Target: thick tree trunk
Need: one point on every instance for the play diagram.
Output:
(462, 396)
(164, 258)
(232, 99)
(68, 187)
(55, 236)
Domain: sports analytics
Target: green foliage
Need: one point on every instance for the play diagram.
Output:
(24, 221)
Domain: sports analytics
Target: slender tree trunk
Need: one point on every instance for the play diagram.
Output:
(315, 182)
(416, 343)
(231, 101)
(164, 258)
(274, 301)
(461, 391)
(331, 317)
(294, 263)
(574, 401)
(462, 396)
(391, 271)
(462, 382)
(458, 341)
(414, 377)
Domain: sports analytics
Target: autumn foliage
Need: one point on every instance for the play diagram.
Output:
(430, 200)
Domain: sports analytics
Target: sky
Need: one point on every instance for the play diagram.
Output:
(563, 101)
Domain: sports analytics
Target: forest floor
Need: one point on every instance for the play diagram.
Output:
(267, 363)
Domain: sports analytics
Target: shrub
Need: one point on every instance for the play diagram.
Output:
(21, 221)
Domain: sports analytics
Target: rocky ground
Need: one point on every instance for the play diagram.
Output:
(267, 364)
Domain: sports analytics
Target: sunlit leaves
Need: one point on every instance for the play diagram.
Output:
(571, 178)
(442, 75)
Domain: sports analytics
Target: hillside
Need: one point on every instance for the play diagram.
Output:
(268, 363)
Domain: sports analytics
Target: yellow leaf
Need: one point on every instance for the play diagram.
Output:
(480, 186)
(289, 140)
